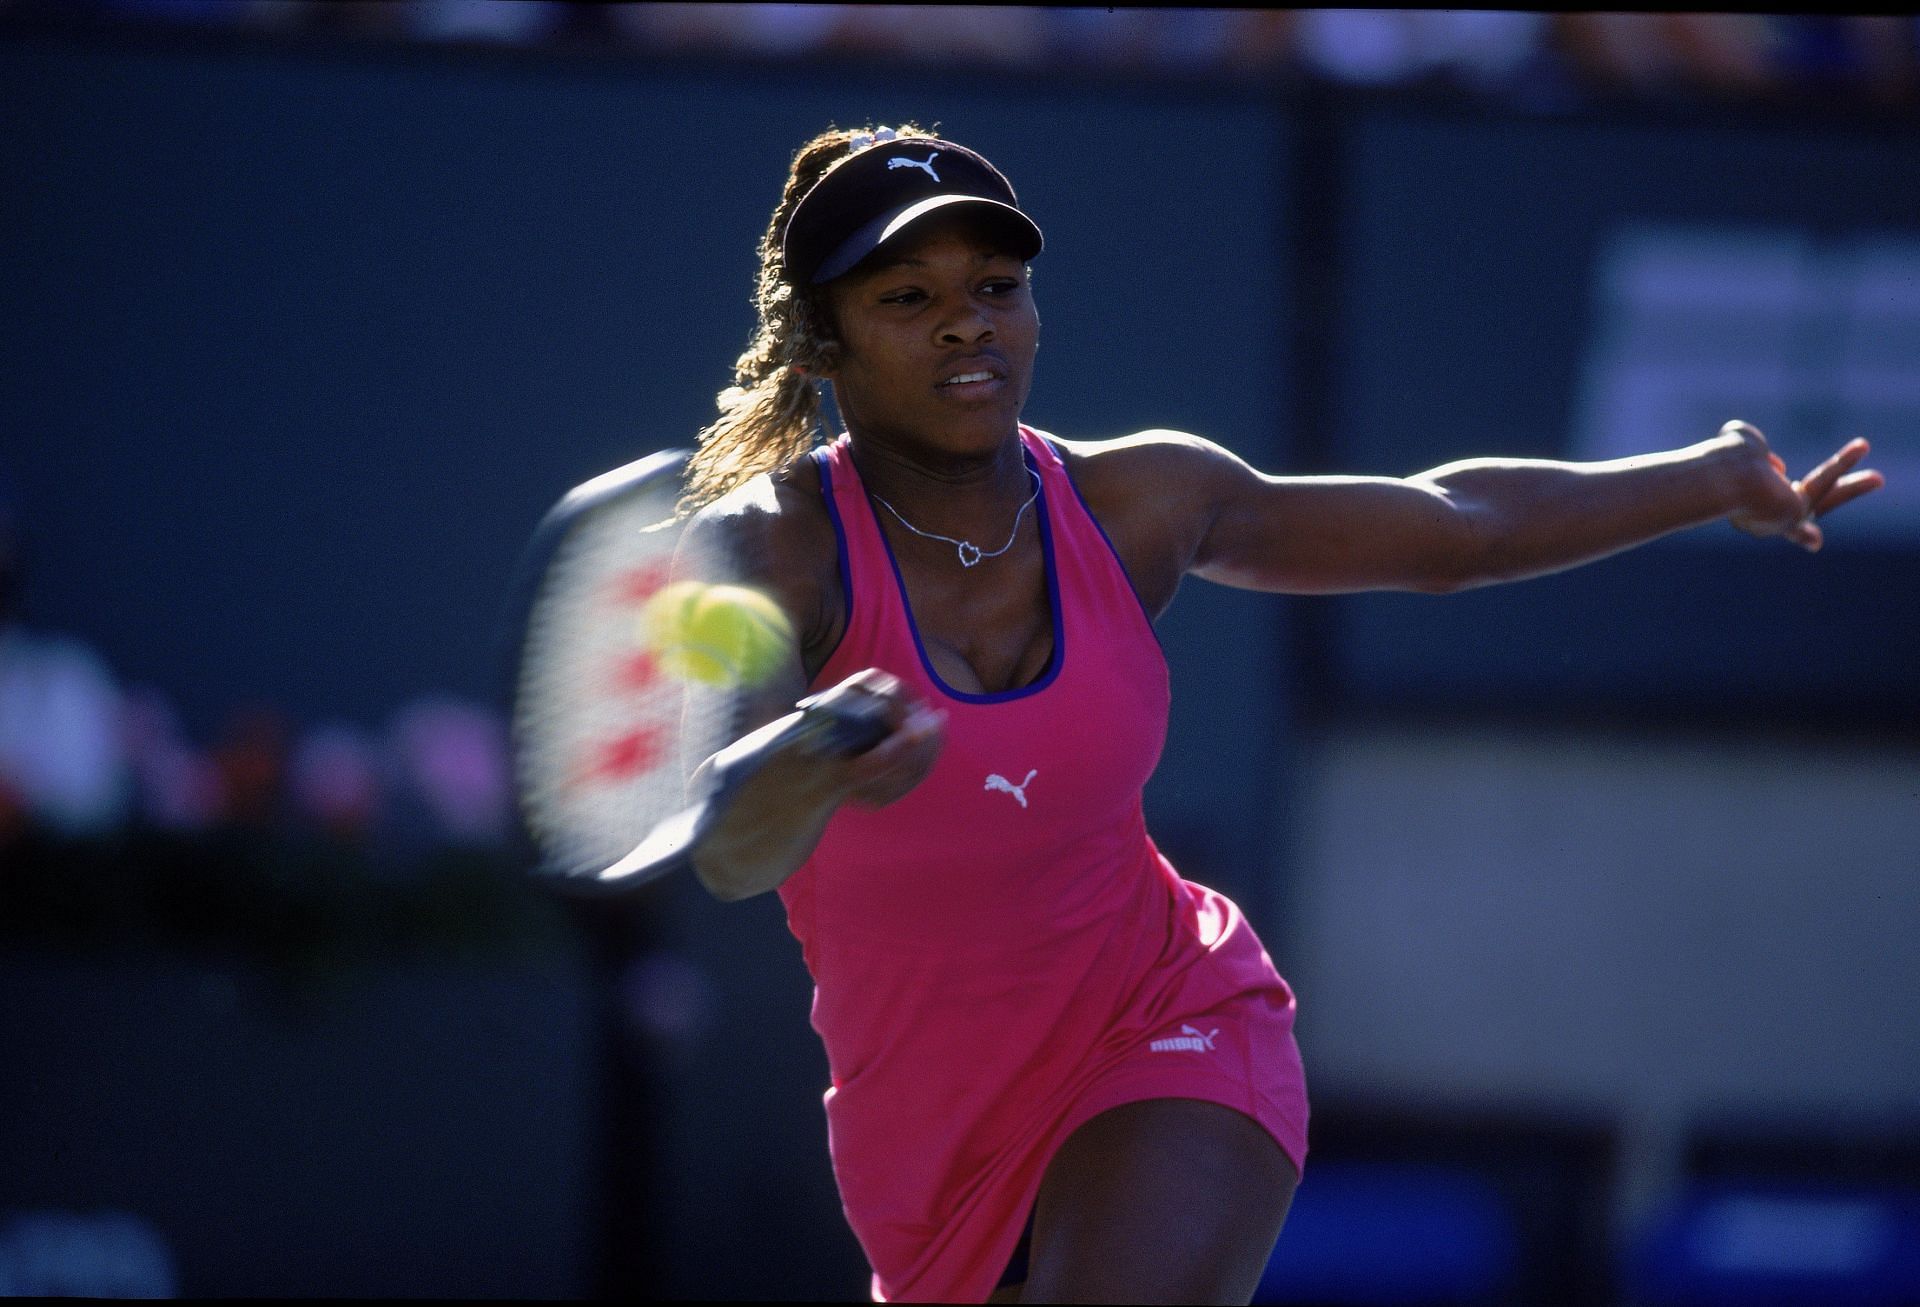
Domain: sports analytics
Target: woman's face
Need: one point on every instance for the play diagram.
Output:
(937, 338)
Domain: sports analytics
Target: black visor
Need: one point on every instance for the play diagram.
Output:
(883, 191)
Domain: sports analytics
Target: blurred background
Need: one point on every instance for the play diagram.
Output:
(1598, 891)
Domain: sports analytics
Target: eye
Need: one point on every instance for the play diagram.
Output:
(908, 296)
(1002, 286)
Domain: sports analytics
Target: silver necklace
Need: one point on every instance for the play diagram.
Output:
(970, 553)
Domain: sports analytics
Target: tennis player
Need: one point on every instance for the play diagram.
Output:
(1060, 1072)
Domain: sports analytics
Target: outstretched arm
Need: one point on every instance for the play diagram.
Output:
(779, 813)
(1484, 521)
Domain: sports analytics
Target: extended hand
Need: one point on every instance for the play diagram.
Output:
(1777, 505)
(899, 762)
(782, 808)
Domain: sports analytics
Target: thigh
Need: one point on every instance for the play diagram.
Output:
(1168, 1200)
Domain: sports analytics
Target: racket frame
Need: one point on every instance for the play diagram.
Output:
(842, 721)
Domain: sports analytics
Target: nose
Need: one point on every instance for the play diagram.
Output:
(967, 325)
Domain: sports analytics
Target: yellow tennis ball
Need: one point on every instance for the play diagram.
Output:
(717, 634)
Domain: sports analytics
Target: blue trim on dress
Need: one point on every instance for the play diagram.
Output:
(824, 461)
(1054, 663)
(1117, 561)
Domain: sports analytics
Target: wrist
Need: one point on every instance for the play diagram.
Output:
(1735, 471)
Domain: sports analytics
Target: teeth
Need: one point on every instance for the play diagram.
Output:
(968, 376)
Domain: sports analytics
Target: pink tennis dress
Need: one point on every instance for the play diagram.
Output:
(1003, 953)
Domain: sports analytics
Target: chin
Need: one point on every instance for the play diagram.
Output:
(982, 432)
(991, 422)
(967, 431)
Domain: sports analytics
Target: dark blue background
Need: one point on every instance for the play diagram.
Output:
(301, 340)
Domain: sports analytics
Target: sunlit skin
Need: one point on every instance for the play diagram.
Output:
(1123, 1214)
(947, 302)
(1173, 504)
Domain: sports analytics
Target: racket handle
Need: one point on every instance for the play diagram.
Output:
(846, 721)
(839, 720)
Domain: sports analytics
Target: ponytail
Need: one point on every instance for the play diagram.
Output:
(771, 414)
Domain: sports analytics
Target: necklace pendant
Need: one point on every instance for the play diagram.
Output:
(969, 553)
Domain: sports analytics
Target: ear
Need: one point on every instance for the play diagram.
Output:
(826, 364)
(819, 321)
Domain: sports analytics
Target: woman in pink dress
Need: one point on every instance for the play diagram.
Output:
(1060, 1072)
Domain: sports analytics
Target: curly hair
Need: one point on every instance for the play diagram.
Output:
(771, 413)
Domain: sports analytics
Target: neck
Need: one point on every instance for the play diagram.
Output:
(959, 493)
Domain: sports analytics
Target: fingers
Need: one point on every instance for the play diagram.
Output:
(901, 761)
(1829, 486)
(1850, 487)
(1817, 484)
(903, 758)
(1833, 483)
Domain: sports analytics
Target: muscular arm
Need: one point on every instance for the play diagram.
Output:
(1471, 523)
(772, 534)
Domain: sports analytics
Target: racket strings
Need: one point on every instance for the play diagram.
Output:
(605, 740)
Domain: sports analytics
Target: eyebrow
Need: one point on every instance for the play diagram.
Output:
(907, 261)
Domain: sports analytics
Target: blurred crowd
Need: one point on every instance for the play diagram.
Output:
(1530, 57)
(84, 758)
(301, 845)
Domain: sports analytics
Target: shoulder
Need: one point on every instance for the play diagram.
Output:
(1175, 479)
(1184, 459)
(1155, 493)
(772, 506)
(774, 532)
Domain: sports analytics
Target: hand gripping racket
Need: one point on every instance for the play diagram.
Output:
(606, 739)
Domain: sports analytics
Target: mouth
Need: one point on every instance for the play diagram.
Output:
(971, 378)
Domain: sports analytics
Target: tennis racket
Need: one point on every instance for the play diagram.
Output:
(608, 743)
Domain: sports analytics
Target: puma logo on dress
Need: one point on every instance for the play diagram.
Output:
(1001, 783)
(1188, 1040)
